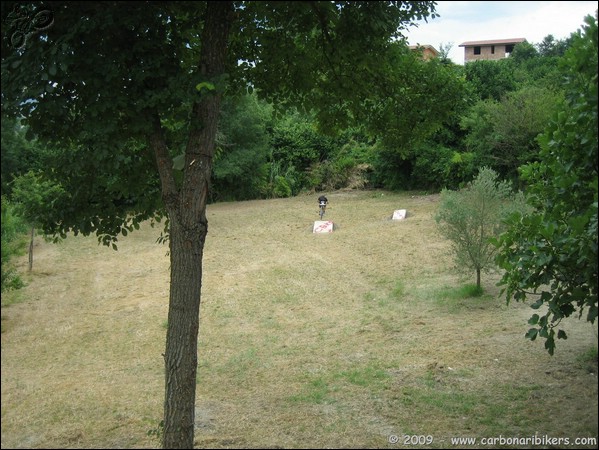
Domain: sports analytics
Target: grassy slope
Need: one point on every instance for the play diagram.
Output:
(306, 340)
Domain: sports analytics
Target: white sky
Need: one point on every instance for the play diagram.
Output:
(476, 21)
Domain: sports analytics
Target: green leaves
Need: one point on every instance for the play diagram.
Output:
(534, 319)
(532, 334)
(555, 248)
(503, 132)
(547, 333)
(205, 85)
(473, 217)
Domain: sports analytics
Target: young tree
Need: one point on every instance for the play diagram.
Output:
(551, 255)
(472, 217)
(107, 84)
(444, 50)
(34, 197)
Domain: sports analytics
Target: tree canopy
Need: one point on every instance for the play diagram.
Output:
(551, 254)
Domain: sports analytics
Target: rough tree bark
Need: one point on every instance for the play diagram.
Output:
(186, 207)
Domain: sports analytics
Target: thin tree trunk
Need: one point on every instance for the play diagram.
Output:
(478, 278)
(31, 249)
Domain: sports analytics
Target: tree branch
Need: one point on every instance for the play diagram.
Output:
(164, 163)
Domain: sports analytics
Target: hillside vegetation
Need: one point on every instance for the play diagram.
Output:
(306, 341)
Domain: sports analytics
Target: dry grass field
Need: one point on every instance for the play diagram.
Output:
(336, 340)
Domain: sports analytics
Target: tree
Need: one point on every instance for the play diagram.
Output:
(491, 79)
(297, 146)
(34, 197)
(523, 51)
(241, 158)
(503, 133)
(120, 89)
(471, 217)
(549, 46)
(537, 65)
(18, 154)
(551, 255)
(388, 111)
(400, 128)
(444, 50)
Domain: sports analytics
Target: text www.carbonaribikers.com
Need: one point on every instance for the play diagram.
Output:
(543, 441)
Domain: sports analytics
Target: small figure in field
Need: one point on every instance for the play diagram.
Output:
(322, 205)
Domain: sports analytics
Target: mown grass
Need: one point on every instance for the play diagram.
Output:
(306, 341)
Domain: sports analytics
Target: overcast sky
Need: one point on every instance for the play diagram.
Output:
(476, 21)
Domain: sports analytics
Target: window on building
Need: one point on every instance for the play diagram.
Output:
(492, 49)
(477, 50)
(509, 48)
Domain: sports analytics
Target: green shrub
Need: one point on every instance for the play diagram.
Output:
(281, 187)
(13, 243)
(438, 167)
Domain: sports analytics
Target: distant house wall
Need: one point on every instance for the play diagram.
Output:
(492, 52)
(489, 50)
(428, 51)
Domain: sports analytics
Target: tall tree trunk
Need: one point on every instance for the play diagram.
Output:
(186, 208)
(186, 249)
